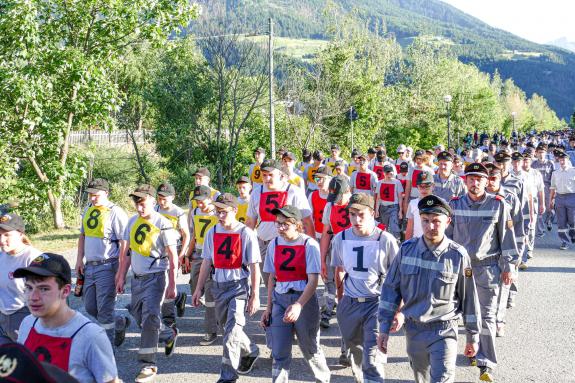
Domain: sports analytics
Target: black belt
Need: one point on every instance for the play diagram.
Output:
(150, 275)
(493, 260)
(102, 262)
(437, 325)
(364, 299)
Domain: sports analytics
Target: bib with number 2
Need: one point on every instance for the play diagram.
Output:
(143, 235)
(94, 221)
(360, 258)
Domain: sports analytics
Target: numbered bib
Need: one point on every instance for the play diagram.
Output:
(94, 221)
(242, 213)
(331, 166)
(269, 201)
(203, 223)
(414, 177)
(318, 204)
(379, 171)
(173, 220)
(143, 235)
(360, 258)
(387, 192)
(227, 251)
(290, 264)
(363, 181)
(398, 168)
(351, 169)
(339, 218)
(311, 174)
(256, 175)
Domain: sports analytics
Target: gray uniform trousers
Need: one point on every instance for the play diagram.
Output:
(547, 217)
(210, 323)
(231, 301)
(329, 292)
(359, 329)
(432, 350)
(529, 235)
(487, 281)
(306, 329)
(10, 324)
(263, 245)
(565, 211)
(99, 293)
(389, 216)
(147, 296)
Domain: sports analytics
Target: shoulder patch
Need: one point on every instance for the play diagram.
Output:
(498, 197)
(468, 272)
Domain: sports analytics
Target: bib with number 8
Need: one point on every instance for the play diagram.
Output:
(94, 221)
(143, 235)
(359, 258)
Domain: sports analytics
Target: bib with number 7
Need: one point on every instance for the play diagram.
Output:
(360, 258)
(203, 223)
(143, 235)
(94, 221)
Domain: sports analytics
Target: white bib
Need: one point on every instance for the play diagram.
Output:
(360, 258)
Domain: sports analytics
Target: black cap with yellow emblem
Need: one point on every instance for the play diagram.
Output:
(476, 169)
(502, 156)
(445, 156)
(516, 156)
(166, 190)
(433, 204)
(47, 265)
(12, 222)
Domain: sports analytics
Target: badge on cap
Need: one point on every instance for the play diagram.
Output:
(7, 366)
(41, 258)
(5, 218)
(468, 272)
(430, 202)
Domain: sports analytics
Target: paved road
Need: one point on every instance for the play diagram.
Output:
(539, 345)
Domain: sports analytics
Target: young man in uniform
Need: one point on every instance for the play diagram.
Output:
(535, 179)
(99, 245)
(152, 240)
(379, 162)
(203, 218)
(293, 177)
(363, 180)
(447, 184)
(255, 172)
(563, 200)
(177, 216)
(481, 223)
(401, 157)
(424, 184)
(244, 188)
(231, 255)
(545, 167)
(362, 256)
(203, 178)
(310, 170)
(57, 334)
(433, 278)
(335, 157)
(411, 191)
(388, 201)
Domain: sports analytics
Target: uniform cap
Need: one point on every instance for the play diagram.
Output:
(516, 156)
(337, 187)
(371, 151)
(528, 153)
(335, 147)
(271, 164)
(323, 171)
(492, 168)
(424, 178)
(226, 200)
(387, 168)
(559, 154)
(433, 204)
(203, 172)
(502, 156)
(12, 222)
(305, 153)
(243, 180)
(98, 184)
(476, 169)
(380, 154)
(401, 148)
(289, 155)
(419, 153)
(144, 191)
(166, 190)
(288, 211)
(542, 146)
(360, 200)
(47, 265)
(260, 150)
(446, 156)
(201, 193)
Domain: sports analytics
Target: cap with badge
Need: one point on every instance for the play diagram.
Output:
(338, 186)
(226, 200)
(243, 180)
(424, 178)
(289, 155)
(387, 169)
(371, 151)
(445, 156)
(419, 153)
(528, 153)
(166, 190)
(335, 147)
(493, 169)
(144, 191)
(516, 156)
(323, 171)
(360, 200)
(433, 204)
(47, 265)
(559, 154)
(502, 156)
(98, 184)
(380, 154)
(288, 211)
(201, 193)
(12, 222)
(542, 146)
(403, 167)
(204, 172)
(270, 165)
(476, 169)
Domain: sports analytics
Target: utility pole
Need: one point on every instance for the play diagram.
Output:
(351, 125)
(271, 88)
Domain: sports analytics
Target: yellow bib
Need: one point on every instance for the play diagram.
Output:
(242, 213)
(143, 235)
(331, 166)
(94, 221)
(296, 180)
(203, 223)
(173, 220)
(351, 169)
(311, 173)
(256, 175)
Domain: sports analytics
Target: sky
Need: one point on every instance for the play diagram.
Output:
(535, 20)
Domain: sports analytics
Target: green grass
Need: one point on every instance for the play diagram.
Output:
(56, 241)
(303, 49)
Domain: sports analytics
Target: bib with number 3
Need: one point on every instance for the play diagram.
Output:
(143, 235)
(360, 258)
(94, 221)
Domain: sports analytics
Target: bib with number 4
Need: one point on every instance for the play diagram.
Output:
(203, 223)
(360, 258)
(94, 221)
(143, 235)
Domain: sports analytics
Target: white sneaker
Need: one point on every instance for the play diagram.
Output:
(147, 374)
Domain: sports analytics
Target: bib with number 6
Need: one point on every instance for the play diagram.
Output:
(202, 224)
(360, 257)
(143, 235)
(94, 221)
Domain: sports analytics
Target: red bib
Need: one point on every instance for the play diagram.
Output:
(269, 201)
(379, 171)
(290, 264)
(387, 192)
(397, 168)
(339, 218)
(318, 204)
(362, 181)
(227, 251)
(414, 177)
(403, 183)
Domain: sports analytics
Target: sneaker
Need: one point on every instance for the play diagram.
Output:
(473, 362)
(324, 323)
(209, 339)
(510, 304)
(563, 246)
(523, 266)
(147, 374)
(181, 304)
(500, 330)
(485, 374)
(120, 335)
(344, 360)
(171, 345)
(247, 363)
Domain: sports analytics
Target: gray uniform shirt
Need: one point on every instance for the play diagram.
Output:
(12, 289)
(435, 286)
(545, 167)
(363, 182)
(101, 248)
(312, 261)
(176, 215)
(453, 186)
(365, 260)
(250, 252)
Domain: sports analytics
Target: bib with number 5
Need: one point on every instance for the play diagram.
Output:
(143, 235)
(360, 258)
(94, 221)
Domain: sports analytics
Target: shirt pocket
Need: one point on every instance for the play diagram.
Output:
(443, 286)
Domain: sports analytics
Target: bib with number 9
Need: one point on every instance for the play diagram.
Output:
(359, 258)
(203, 223)
(143, 235)
(94, 221)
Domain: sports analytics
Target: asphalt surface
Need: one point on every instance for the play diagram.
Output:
(539, 344)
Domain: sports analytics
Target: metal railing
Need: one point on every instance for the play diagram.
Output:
(114, 138)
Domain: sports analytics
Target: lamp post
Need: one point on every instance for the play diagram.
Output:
(513, 114)
(447, 99)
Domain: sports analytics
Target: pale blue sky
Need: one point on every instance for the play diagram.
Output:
(535, 20)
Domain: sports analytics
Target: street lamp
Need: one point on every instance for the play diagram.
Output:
(513, 114)
(447, 99)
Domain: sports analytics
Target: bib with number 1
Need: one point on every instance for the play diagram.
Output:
(94, 221)
(360, 258)
(203, 223)
(143, 235)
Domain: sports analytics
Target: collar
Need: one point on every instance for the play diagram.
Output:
(440, 249)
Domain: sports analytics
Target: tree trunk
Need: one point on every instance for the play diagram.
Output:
(56, 207)
(137, 150)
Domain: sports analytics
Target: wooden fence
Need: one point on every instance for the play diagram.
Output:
(114, 138)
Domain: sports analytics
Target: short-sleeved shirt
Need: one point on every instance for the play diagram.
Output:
(364, 259)
(148, 239)
(200, 223)
(563, 181)
(312, 261)
(12, 289)
(363, 182)
(412, 176)
(413, 213)
(388, 192)
(91, 355)
(294, 196)
(448, 188)
(103, 228)
(176, 215)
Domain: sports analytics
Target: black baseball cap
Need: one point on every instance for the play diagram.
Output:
(516, 156)
(201, 193)
(445, 156)
(404, 166)
(433, 204)
(317, 155)
(493, 169)
(144, 191)
(12, 222)
(361, 200)
(289, 155)
(47, 265)
(226, 200)
(528, 153)
(542, 146)
(476, 169)
(98, 184)
(380, 153)
(166, 190)
(424, 178)
(205, 172)
(559, 154)
(335, 147)
(502, 156)
(387, 168)
(271, 164)
(419, 153)
(361, 155)
(243, 180)
(371, 151)
(337, 187)
(288, 211)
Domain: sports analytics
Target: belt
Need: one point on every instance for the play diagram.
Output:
(438, 325)
(493, 260)
(223, 285)
(364, 299)
(150, 275)
(102, 262)
(292, 291)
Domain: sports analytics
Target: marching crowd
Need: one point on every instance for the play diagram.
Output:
(427, 241)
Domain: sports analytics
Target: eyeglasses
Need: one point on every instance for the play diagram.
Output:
(282, 225)
(223, 211)
(425, 186)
